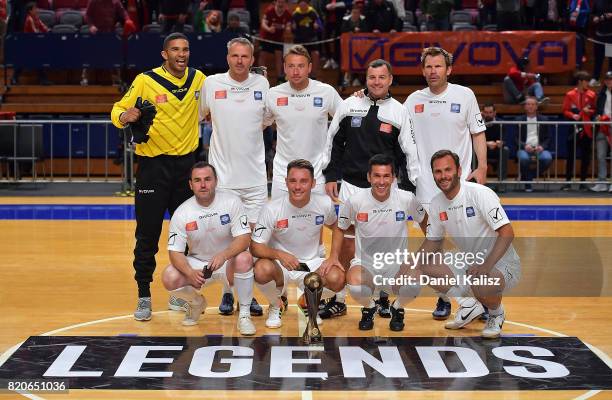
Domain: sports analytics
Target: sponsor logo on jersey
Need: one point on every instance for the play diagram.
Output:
(386, 128)
(225, 219)
(419, 108)
(317, 102)
(282, 224)
(319, 220)
(496, 214)
(257, 95)
(420, 209)
(220, 94)
(443, 216)
(469, 211)
(437, 102)
(239, 89)
(358, 111)
(400, 215)
(196, 94)
(171, 238)
(455, 108)
(362, 217)
(355, 122)
(479, 120)
(282, 101)
(191, 226)
(161, 98)
(244, 223)
(259, 230)
(146, 191)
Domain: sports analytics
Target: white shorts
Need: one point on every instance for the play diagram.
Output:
(219, 275)
(279, 189)
(297, 277)
(253, 199)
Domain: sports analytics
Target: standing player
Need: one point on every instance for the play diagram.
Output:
(214, 227)
(363, 126)
(300, 107)
(165, 154)
(380, 216)
(236, 102)
(286, 240)
(445, 115)
(472, 216)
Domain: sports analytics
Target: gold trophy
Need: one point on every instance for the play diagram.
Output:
(313, 288)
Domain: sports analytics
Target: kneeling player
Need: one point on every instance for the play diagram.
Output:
(380, 215)
(214, 226)
(472, 216)
(286, 240)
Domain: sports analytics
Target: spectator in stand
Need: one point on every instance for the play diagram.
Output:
(333, 14)
(354, 22)
(602, 19)
(549, 14)
(233, 26)
(436, 14)
(534, 140)
(519, 82)
(210, 24)
(579, 105)
(381, 17)
(488, 12)
(604, 113)
(32, 24)
(275, 23)
(577, 20)
(102, 17)
(173, 14)
(508, 13)
(496, 148)
(3, 24)
(305, 24)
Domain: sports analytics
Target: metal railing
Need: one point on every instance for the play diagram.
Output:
(66, 151)
(557, 177)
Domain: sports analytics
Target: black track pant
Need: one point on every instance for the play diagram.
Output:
(162, 183)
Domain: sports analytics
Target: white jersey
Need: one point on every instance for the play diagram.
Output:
(301, 121)
(285, 227)
(470, 220)
(443, 121)
(207, 230)
(380, 227)
(236, 145)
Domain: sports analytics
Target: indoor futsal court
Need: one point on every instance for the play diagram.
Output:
(67, 293)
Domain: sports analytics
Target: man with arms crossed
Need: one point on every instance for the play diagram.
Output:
(380, 215)
(214, 226)
(445, 115)
(287, 236)
(472, 216)
(236, 102)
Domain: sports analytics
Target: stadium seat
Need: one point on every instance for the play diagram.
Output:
(463, 27)
(460, 16)
(490, 27)
(188, 29)
(63, 28)
(71, 17)
(47, 17)
(152, 28)
(408, 27)
(243, 15)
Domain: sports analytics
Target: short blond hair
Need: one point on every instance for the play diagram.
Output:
(298, 50)
(436, 51)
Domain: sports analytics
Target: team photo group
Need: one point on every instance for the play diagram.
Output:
(368, 168)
